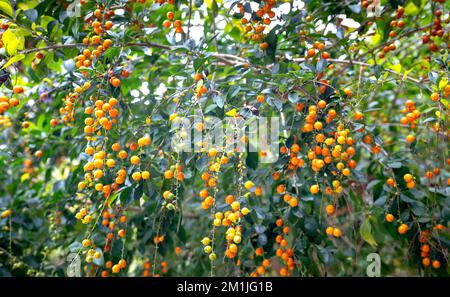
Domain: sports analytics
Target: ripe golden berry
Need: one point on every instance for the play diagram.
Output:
(408, 177)
(263, 45)
(198, 76)
(293, 202)
(86, 242)
(330, 209)
(389, 218)
(115, 82)
(135, 160)
(260, 98)
(136, 176)
(358, 116)
(403, 228)
(5, 214)
(434, 97)
(145, 175)
(436, 264)
(18, 89)
(337, 232)
(329, 230)
(116, 268)
(410, 138)
(168, 174)
(314, 189)
(248, 185)
(390, 182)
(310, 52)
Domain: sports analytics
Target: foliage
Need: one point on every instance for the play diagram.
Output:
(91, 90)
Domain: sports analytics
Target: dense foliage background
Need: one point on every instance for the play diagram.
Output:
(361, 88)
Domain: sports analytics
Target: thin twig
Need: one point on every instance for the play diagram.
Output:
(189, 19)
(226, 58)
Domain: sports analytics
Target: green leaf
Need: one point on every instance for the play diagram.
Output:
(219, 101)
(311, 226)
(31, 14)
(14, 59)
(411, 9)
(112, 52)
(406, 199)
(394, 164)
(235, 34)
(396, 67)
(293, 97)
(252, 160)
(324, 254)
(27, 4)
(376, 38)
(356, 8)
(14, 40)
(6, 7)
(443, 83)
(366, 232)
(138, 192)
(433, 76)
(340, 32)
(321, 65)
(124, 196)
(112, 199)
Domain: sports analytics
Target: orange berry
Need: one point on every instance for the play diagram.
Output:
(403, 228)
(295, 148)
(122, 263)
(348, 92)
(166, 24)
(436, 264)
(121, 233)
(293, 202)
(115, 82)
(389, 218)
(314, 189)
(390, 182)
(310, 53)
(410, 138)
(434, 97)
(168, 174)
(177, 24)
(198, 76)
(116, 269)
(263, 45)
(330, 209)
(259, 252)
(337, 232)
(329, 230)
(408, 177)
(135, 160)
(279, 222)
(18, 89)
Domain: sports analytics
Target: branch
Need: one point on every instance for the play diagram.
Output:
(51, 47)
(150, 45)
(407, 33)
(337, 61)
(189, 19)
(228, 59)
(60, 46)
